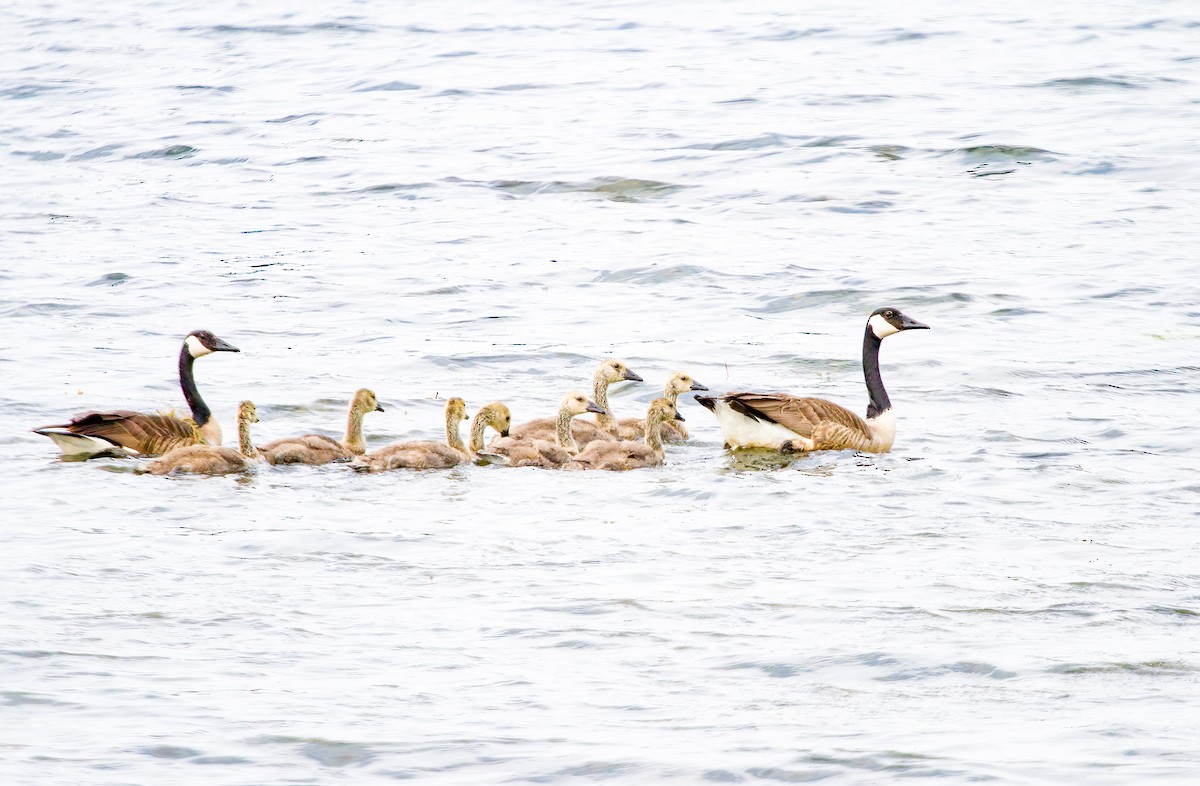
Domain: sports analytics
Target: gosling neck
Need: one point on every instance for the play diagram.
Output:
(600, 396)
(453, 437)
(478, 424)
(653, 433)
(563, 435)
(354, 431)
(245, 444)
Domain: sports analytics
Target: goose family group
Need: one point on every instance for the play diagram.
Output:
(774, 421)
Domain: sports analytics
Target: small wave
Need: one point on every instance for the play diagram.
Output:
(97, 152)
(110, 279)
(655, 274)
(1001, 153)
(803, 300)
(311, 117)
(206, 88)
(617, 189)
(903, 36)
(16, 698)
(331, 753)
(169, 752)
(752, 143)
(394, 86)
(977, 668)
(1150, 668)
(1080, 83)
(792, 34)
(288, 30)
(520, 86)
(870, 206)
(889, 152)
(171, 152)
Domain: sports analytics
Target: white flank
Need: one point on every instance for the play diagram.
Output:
(743, 432)
(196, 347)
(883, 428)
(79, 445)
(881, 327)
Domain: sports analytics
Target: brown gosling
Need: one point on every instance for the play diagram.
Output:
(628, 454)
(212, 459)
(317, 449)
(126, 433)
(673, 431)
(533, 452)
(424, 454)
(497, 416)
(583, 431)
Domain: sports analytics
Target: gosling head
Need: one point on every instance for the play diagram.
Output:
(887, 321)
(613, 370)
(365, 401)
(682, 383)
(576, 403)
(202, 342)
(497, 416)
(247, 412)
(662, 410)
(456, 409)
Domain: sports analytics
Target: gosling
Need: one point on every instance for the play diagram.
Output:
(533, 452)
(318, 449)
(673, 431)
(627, 454)
(610, 371)
(212, 459)
(422, 454)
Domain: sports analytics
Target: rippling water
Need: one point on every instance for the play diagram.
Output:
(483, 199)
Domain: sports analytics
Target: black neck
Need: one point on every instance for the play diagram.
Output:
(879, 397)
(200, 411)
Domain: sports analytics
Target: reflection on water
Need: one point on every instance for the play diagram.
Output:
(484, 200)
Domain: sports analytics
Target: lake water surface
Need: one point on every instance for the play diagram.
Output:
(485, 199)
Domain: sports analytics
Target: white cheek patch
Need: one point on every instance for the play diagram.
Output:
(196, 347)
(881, 327)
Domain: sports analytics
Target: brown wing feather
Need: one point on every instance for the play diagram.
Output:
(801, 415)
(147, 434)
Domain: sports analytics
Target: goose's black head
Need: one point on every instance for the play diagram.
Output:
(886, 321)
(203, 342)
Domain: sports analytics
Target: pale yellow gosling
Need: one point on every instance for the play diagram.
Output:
(212, 459)
(583, 431)
(317, 449)
(543, 453)
(673, 431)
(422, 454)
(628, 454)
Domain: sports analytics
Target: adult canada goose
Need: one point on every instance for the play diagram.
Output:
(533, 452)
(316, 449)
(126, 433)
(422, 454)
(212, 459)
(791, 424)
(628, 454)
(672, 430)
(583, 431)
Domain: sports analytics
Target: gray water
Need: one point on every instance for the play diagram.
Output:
(485, 199)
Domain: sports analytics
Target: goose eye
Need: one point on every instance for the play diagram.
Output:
(889, 314)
